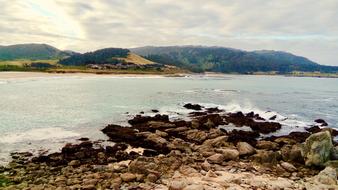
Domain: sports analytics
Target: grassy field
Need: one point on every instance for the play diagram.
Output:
(22, 62)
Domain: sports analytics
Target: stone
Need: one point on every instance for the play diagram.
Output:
(206, 165)
(179, 144)
(158, 140)
(128, 177)
(196, 135)
(216, 142)
(266, 145)
(196, 107)
(245, 149)
(194, 187)
(142, 165)
(161, 133)
(334, 153)
(317, 149)
(288, 167)
(267, 157)
(328, 176)
(177, 184)
(229, 153)
(74, 163)
(152, 178)
(216, 158)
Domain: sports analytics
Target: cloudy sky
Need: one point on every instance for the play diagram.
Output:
(304, 27)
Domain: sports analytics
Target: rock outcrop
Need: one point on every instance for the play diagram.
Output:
(317, 149)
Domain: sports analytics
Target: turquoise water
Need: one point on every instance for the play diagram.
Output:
(40, 113)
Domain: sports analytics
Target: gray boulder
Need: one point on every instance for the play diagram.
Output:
(317, 149)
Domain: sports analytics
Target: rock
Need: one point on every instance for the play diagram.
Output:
(206, 166)
(88, 187)
(158, 140)
(321, 121)
(317, 149)
(243, 136)
(292, 153)
(177, 184)
(334, 153)
(273, 117)
(266, 145)
(74, 163)
(152, 178)
(216, 142)
(161, 133)
(193, 106)
(267, 157)
(179, 144)
(194, 187)
(196, 135)
(288, 167)
(245, 149)
(328, 176)
(216, 158)
(142, 165)
(128, 177)
(229, 154)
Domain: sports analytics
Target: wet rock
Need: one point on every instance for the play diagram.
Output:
(243, 136)
(155, 111)
(139, 119)
(216, 158)
(288, 167)
(321, 121)
(245, 149)
(128, 177)
(193, 106)
(273, 117)
(266, 145)
(317, 149)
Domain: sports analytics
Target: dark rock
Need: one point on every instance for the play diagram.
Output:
(193, 106)
(243, 136)
(155, 111)
(321, 121)
(139, 119)
(83, 139)
(273, 117)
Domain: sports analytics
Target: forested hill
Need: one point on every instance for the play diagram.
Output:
(31, 51)
(101, 56)
(227, 60)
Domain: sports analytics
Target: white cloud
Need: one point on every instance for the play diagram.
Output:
(304, 27)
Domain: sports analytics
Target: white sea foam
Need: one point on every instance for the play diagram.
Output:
(52, 133)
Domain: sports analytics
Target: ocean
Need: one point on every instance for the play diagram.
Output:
(44, 113)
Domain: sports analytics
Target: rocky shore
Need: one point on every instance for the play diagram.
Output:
(197, 153)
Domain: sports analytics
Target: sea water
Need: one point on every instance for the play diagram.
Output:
(39, 114)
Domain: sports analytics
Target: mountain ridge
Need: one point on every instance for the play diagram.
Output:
(228, 60)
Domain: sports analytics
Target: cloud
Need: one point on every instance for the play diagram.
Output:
(303, 27)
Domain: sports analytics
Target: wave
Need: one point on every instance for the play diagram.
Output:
(51, 133)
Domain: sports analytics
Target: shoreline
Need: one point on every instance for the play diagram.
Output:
(30, 74)
(157, 153)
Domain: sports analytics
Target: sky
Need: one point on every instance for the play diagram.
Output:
(303, 27)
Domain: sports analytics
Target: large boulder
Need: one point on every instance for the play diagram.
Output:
(317, 149)
(245, 149)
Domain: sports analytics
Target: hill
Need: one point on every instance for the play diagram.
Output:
(106, 56)
(228, 60)
(31, 52)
